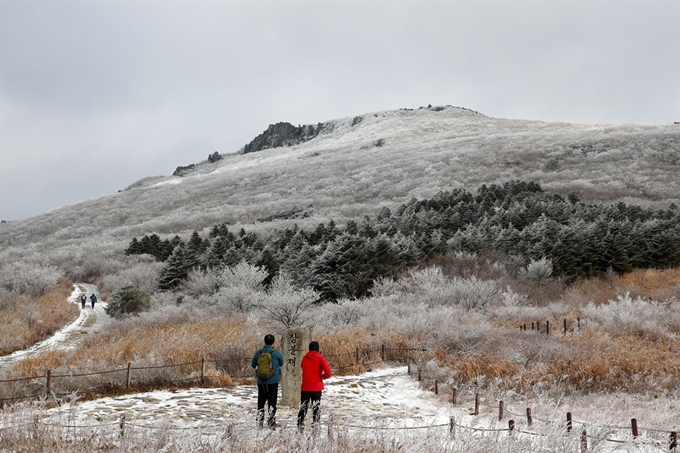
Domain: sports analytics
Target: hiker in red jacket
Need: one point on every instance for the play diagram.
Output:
(315, 369)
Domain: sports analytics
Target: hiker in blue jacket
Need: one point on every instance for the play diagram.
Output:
(267, 363)
(93, 299)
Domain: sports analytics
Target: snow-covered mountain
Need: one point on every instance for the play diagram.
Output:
(355, 165)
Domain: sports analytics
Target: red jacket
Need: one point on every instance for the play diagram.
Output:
(315, 369)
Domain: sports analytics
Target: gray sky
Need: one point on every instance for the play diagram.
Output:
(95, 95)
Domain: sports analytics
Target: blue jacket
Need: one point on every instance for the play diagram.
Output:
(277, 362)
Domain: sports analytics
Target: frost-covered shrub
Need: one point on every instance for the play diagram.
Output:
(510, 298)
(143, 276)
(128, 300)
(24, 278)
(433, 288)
(234, 288)
(473, 293)
(242, 274)
(406, 316)
(200, 283)
(344, 312)
(237, 298)
(639, 316)
(522, 314)
(537, 271)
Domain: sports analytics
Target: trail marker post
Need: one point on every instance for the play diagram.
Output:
(293, 346)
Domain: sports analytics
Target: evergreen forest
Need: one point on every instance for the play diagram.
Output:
(514, 221)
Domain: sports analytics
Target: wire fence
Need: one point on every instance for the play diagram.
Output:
(237, 367)
(569, 424)
(453, 427)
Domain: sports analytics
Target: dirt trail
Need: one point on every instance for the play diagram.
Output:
(90, 321)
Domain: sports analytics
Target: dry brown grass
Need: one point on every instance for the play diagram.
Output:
(166, 344)
(25, 321)
(469, 367)
(599, 361)
(648, 283)
(652, 284)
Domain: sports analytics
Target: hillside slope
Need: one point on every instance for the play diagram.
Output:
(361, 163)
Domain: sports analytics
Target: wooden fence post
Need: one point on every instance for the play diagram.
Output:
(538, 326)
(357, 355)
(525, 327)
(122, 425)
(420, 375)
(500, 410)
(584, 441)
(568, 422)
(578, 322)
(330, 427)
(436, 387)
(565, 326)
(202, 371)
(453, 396)
(674, 440)
(532, 326)
(529, 420)
(49, 382)
(382, 353)
(129, 375)
(452, 426)
(633, 425)
(547, 327)
(511, 427)
(408, 368)
(476, 404)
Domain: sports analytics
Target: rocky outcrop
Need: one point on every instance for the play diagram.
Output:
(283, 134)
(214, 157)
(183, 170)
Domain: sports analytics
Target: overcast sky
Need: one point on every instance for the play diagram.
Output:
(95, 95)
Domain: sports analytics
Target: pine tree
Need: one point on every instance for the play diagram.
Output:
(134, 247)
(175, 271)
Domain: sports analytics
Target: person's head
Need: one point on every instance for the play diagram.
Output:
(269, 339)
(314, 346)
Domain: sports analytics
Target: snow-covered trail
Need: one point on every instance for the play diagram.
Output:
(386, 397)
(90, 321)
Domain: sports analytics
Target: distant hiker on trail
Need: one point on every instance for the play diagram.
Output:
(267, 363)
(93, 299)
(83, 299)
(315, 369)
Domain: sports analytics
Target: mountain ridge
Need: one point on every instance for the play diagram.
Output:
(358, 166)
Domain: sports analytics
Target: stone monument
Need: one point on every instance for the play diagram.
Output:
(294, 346)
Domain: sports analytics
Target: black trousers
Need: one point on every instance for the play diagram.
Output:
(267, 393)
(305, 398)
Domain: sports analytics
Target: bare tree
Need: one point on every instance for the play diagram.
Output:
(286, 305)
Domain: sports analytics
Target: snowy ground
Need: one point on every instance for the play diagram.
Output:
(386, 398)
(385, 403)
